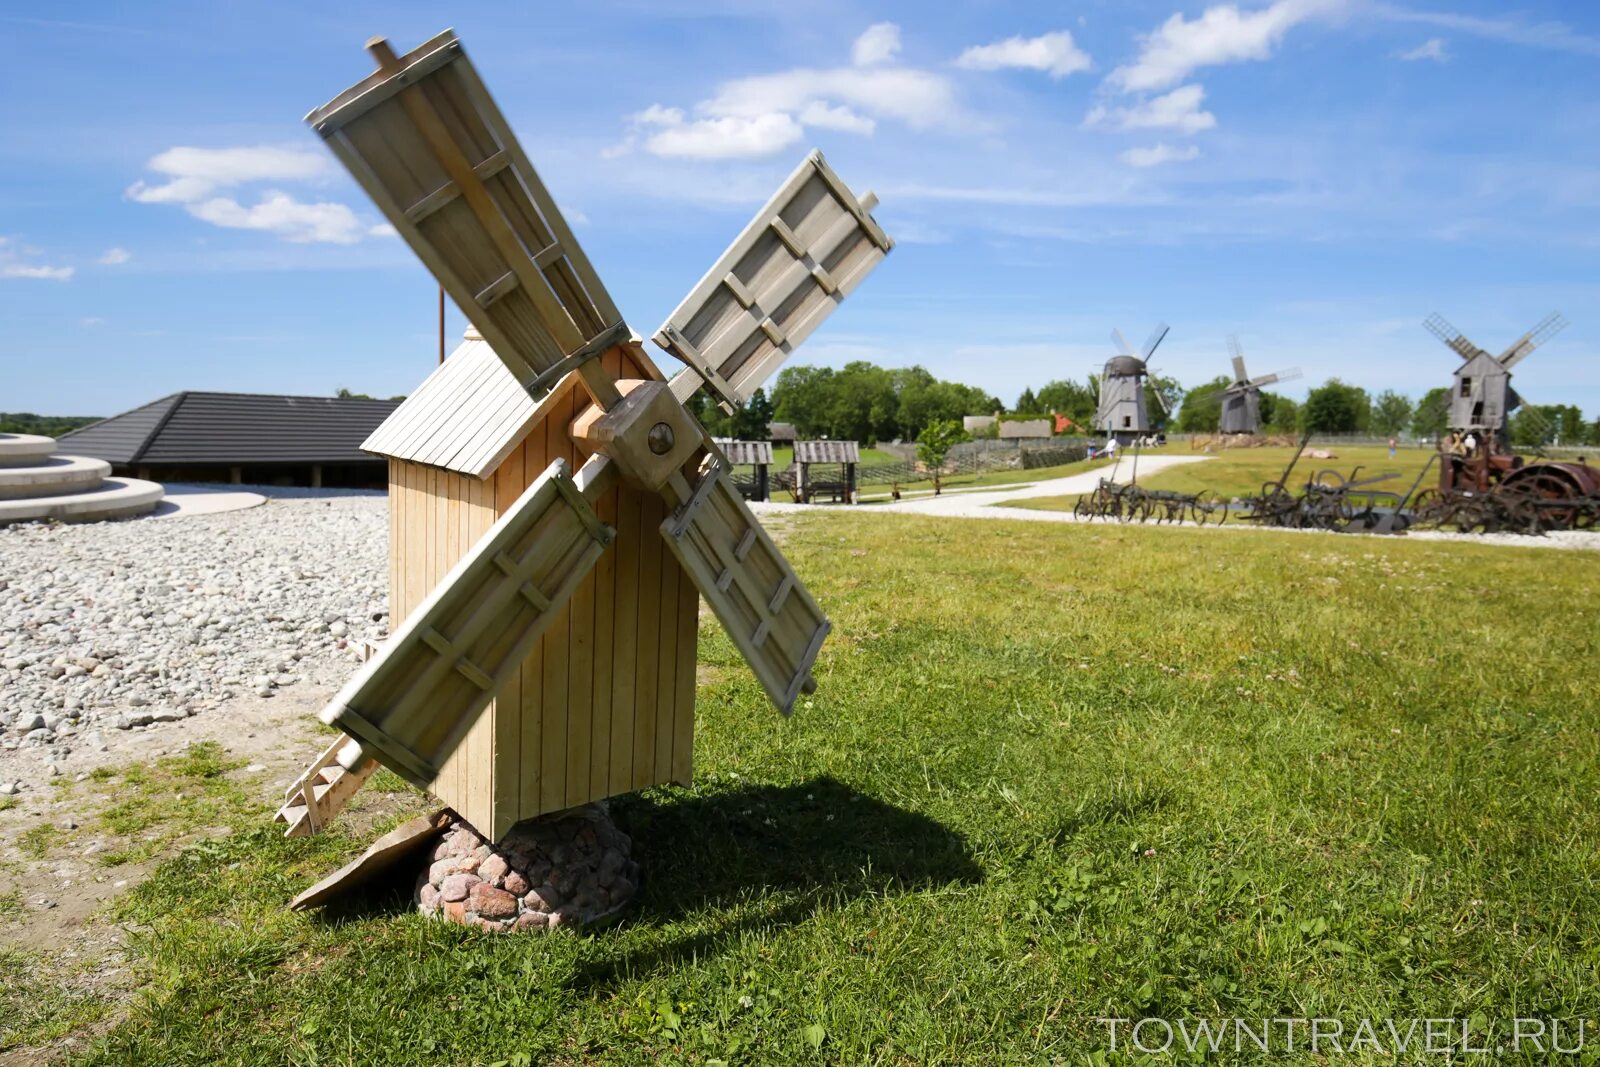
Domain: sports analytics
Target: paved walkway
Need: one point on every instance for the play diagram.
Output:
(977, 503)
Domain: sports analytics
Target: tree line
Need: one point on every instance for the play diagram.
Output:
(867, 403)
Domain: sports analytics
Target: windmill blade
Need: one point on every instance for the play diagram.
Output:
(796, 261)
(1121, 342)
(772, 618)
(1548, 327)
(1154, 340)
(1237, 354)
(413, 702)
(1278, 376)
(425, 140)
(1453, 338)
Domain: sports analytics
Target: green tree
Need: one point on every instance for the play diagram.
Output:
(749, 421)
(802, 395)
(1075, 400)
(1430, 418)
(1279, 414)
(1161, 397)
(1334, 407)
(934, 445)
(1200, 410)
(1027, 404)
(1391, 413)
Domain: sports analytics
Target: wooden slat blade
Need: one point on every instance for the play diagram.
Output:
(414, 701)
(802, 254)
(768, 612)
(431, 148)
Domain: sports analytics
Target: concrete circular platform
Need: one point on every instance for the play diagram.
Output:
(185, 500)
(53, 476)
(114, 498)
(24, 449)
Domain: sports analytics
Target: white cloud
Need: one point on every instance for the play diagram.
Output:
(28, 270)
(111, 257)
(1221, 34)
(10, 267)
(195, 173)
(1433, 48)
(1178, 110)
(1556, 36)
(728, 137)
(1158, 154)
(195, 177)
(836, 117)
(878, 43)
(759, 115)
(918, 98)
(1053, 53)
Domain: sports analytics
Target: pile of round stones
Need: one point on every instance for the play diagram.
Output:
(128, 625)
(559, 870)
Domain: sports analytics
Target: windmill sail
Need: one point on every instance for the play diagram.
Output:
(796, 261)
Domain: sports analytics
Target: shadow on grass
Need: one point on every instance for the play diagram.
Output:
(726, 860)
(769, 857)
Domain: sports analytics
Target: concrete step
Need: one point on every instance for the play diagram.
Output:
(24, 449)
(55, 476)
(114, 498)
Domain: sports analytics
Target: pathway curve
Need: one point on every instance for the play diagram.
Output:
(977, 503)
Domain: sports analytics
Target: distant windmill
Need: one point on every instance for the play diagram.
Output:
(1241, 400)
(1122, 411)
(1482, 398)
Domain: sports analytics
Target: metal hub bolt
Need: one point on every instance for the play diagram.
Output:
(660, 439)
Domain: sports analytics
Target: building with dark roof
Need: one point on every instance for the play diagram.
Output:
(253, 438)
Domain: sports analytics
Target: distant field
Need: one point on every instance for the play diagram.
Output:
(1242, 472)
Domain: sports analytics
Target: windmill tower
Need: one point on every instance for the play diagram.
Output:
(556, 514)
(1122, 412)
(1482, 398)
(1241, 400)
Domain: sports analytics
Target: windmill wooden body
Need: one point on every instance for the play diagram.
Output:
(555, 512)
(1482, 398)
(1241, 399)
(1122, 411)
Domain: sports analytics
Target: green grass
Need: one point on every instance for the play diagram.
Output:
(1242, 472)
(783, 456)
(1050, 775)
(38, 1005)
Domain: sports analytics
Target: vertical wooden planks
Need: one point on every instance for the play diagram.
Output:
(535, 458)
(688, 662)
(557, 639)
(507, 484)
(651, 513)
(605, 581)
(667, 656)
(625, 641)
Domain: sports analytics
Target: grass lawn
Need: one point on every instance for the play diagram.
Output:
(880, 494)
(1052, 774)
(783, 456)
(1241, 472)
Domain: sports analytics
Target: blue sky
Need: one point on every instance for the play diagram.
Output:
(1315, 176)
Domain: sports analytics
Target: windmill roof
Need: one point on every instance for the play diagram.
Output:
(827, 452)
(234, 428)
(1124, 366)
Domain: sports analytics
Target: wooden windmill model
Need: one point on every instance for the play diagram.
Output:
(555, 511)
(1482, 398)
(1241, 399)
(1122, 412)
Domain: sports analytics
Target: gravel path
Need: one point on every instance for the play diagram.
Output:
(129, 626)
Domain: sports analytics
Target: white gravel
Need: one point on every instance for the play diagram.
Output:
(131, 625)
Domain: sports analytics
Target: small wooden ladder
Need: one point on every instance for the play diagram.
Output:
(321, 792)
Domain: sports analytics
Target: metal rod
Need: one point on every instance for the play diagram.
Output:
(441, 324)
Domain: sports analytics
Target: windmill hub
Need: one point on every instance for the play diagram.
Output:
(660, 438)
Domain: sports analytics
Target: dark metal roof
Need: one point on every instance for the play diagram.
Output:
(235, 428)
(1124, 366)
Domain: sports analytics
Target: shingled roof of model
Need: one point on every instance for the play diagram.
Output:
(235, 428)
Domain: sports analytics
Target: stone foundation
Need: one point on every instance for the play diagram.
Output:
(569, 869)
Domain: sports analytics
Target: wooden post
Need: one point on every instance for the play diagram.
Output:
(762, 490)
(441, 324)
(850, 483)
(316, 476)
(236, 475)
